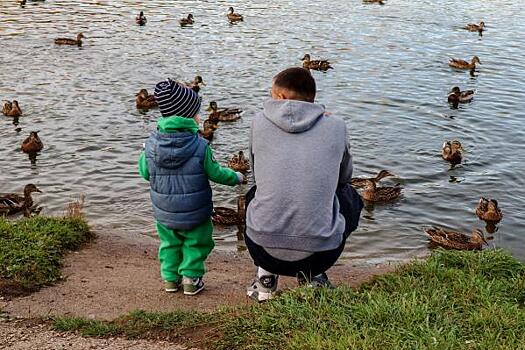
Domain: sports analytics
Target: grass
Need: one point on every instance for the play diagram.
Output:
(452, 300)
(32, 249)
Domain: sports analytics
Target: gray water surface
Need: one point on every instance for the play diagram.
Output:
(389, 84)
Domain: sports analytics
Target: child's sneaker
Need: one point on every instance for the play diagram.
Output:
(263, 288)
(318, 281)
(192, 286)
(171, 287)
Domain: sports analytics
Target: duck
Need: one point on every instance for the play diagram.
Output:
(239, 163)
(461, 64)
(488, 210)
(375, 194)
(457, 96)
(456, 240)
(208, 129)
(227, 216)
(359, 182)
(144, 100)
(223, 114)
(473, 27)
(451, 151)
(195, 85)
(141, 19)
(32, 144)
(321, 65)
(12, 109)
(12, 203)
(67, 41)
(380, 2)
(186, 21)
(234, 17)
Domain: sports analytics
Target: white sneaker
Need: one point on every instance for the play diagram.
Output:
(263, 288)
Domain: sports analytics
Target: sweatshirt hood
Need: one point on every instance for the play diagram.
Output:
(175, 123)
(292, 116)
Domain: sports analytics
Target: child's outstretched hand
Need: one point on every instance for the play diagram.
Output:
(241, 177)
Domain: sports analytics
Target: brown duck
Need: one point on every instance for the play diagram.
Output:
(239, 163)
(461, 64)
(227, 216)
(141, 19)
(208, 130)
(12, 203)
(451, 152)
(321, 65)
(456, 96)
(359, 182)
(489, 211)
(234, 17)
(380, 2)
(223, 114)
(67, 41)
(11, 109)
(456, 240)
(473, 27)
(375, 194)
(196, 84)
(144, 100)
(32, 144)
(186, 21)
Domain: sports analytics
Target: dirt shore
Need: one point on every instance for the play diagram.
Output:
(118, 274)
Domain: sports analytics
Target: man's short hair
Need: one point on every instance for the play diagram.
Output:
(297, 80)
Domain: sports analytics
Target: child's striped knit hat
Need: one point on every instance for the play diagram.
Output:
(175, 99)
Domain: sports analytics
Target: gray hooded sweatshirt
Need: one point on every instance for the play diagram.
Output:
(299, 156)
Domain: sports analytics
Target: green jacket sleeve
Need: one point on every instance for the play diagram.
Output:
(217, 173)
(143, 166)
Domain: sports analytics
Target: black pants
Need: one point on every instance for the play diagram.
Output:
(350, 205)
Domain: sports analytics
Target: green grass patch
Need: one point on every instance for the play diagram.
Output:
(32, 249)
(452, 300)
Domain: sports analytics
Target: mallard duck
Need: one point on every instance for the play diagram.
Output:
(223, 114)
(144, 100)
(489, 211)
(195, 85)
(67, 41)
(456, 240)
(208, 129)
(234, 17)
(141, 19)
(372, 193)
(239, 163)
(473, 27)
(460, 64)
(380, 2)
(12, 109)
(227, 216)
(457, 96)
(451, 151)
(359, 182)
(186, 21)
(32, 144)
(12, 203)
(321, 65)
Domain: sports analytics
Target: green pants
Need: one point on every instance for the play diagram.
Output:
(183, 252)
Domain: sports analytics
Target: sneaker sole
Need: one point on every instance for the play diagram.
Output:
(170, 290)
(260, 296)
(197, 291)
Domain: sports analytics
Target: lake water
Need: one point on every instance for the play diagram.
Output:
(389, 84)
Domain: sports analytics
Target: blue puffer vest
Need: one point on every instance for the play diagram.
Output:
(180, 190)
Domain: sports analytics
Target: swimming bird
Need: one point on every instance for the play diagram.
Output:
(144, 100)
(461, 64)
(473, 27)
(186, 21)
(66, 41)
(321, 65)
(358, 182)
(11, 109)
(372, 193)
(456, 240)
(488, 210)
(380, 2)
(141, 19)
(195, 85)
(32, 144)
(239, 163)
(234, 17)
(223, 114)
(12, 203)
(456, 95)
(208, 130)
(451, 152)
(228, 216)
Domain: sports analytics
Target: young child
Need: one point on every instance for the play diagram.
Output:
(302, 209)
(179, 164)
